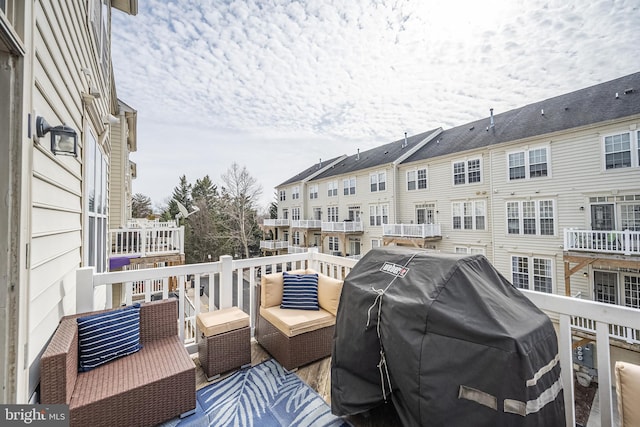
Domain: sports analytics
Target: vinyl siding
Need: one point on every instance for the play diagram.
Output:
(63, 46)
(117, 186)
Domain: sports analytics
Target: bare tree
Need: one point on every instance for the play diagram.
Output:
(242, 193)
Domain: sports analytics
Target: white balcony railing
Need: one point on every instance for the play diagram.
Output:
(306, 223)
(293, 249)
(274, 244)
(149, 223)
(143, 242)
(276, 222)
(343, 226)
(233, 283)
(625, 242)
(411, 230)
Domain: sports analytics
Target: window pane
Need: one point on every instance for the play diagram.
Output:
(546, 218)
(632, 291)
(542, 278)
(529, 217)
(474, 170)
(520, 269)
(458, 173)
(513, 221)
(516, 166)
(538, 162)
(617, 150)
(605, 286)
(422, 178)
(630, 217)
(468, 216)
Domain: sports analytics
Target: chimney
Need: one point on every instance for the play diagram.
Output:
(492, 124)
(358, 155)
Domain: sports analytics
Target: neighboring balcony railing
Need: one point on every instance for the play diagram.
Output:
(343, 226)
(276, 222)
(625, 242)
(412, 230)
(225, 289)
(294, 249)
(306, 223)
(148, 223)
(144, 242)
(274, 244)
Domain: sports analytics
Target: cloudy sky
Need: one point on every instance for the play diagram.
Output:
(276, 85)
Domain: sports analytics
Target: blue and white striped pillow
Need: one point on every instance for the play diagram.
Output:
(300, 291)
(107, 336)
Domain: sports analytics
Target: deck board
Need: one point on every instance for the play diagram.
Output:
(318, 376)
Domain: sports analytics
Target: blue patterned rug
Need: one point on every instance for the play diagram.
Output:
(263, 395)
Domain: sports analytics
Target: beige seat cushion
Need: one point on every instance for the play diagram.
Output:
(628, 391)
(220, 321)
(271, 286)
(295, 322)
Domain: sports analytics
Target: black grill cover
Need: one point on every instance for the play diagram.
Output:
(462, 345)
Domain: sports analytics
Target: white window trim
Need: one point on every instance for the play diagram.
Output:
(415, 171)
(527, 171)
(348, 186)
(295, 192)
(634, 145)
(530, 259)
(377, 174)
(470, 250)
(473, 215)
(332, 186)
(313, 191)
(537, 211)
(378, 210)
(466, 161)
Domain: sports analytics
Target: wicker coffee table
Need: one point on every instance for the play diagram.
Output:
(225, 343)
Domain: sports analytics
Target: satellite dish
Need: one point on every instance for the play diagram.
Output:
(184, 213)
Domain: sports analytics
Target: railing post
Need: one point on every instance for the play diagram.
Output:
(226, 282)
(566, 362)
(143, 241)
(181, 239)
(84, 289)
(627, 241)
(604, 374)
(313, 262)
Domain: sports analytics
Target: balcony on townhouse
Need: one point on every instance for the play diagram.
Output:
(412, 231)
(277, 222)
(625, 242)
(604, 321)
(144, 238)
(308, 224)
(296, 249)
(342, 227)
(273, 245)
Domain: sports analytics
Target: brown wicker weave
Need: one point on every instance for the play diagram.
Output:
(296, 351)
(224, 352)
(142, 389)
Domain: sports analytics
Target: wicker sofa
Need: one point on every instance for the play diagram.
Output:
(148, 387)
(296, 337)
(628, 390)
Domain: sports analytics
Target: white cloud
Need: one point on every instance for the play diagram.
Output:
(236, 81)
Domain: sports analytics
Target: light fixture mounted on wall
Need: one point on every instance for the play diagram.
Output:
(64, 139)
(585, 274)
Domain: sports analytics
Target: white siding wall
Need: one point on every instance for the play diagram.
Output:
(117, 169)
(63, 47)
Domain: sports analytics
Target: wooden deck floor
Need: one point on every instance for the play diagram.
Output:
(318, 376)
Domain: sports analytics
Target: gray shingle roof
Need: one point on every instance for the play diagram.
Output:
(595, 104)
(381, 155)
(309, 171)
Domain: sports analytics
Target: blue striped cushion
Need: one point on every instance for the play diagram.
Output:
(107, 336)
(300, 291)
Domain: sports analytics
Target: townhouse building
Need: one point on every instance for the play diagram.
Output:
(549, 192)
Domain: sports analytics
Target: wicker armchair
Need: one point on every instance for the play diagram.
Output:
(294, 345)
(145, 388)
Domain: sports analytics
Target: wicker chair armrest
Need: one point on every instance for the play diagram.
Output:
(158, 320)
(59, 364)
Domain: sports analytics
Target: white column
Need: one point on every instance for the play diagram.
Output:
(84, 289)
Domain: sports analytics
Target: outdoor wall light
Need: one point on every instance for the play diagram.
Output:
(64, 140)
(585, 274)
